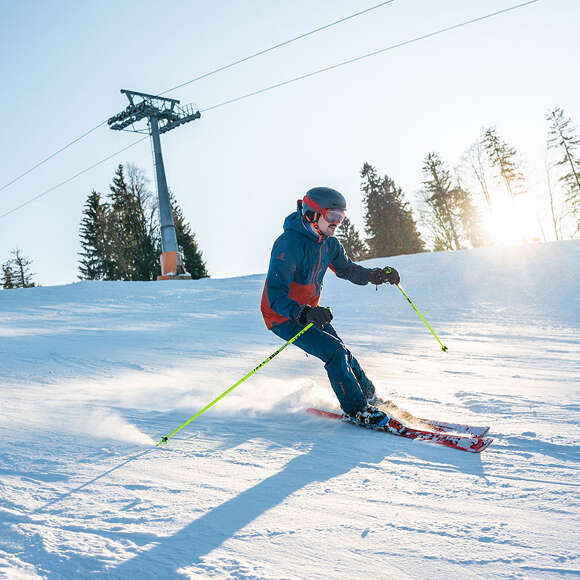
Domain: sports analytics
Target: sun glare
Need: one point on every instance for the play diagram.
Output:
(512, 222)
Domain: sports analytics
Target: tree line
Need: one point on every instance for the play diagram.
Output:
(449, 201)
(120, 235)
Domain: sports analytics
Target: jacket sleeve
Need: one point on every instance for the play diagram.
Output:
(345, 268)
(283, 265)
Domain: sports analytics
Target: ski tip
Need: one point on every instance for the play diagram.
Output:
(481, 444)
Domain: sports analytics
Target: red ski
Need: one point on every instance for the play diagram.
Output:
(405, 417)
(461, 442)
(473, 430)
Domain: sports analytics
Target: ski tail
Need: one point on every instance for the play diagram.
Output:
(326, 414)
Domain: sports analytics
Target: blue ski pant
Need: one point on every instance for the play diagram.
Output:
(349, 382)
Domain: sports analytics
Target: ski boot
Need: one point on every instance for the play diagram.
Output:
(370, 417)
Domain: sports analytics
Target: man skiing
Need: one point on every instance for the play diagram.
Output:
(299, 260)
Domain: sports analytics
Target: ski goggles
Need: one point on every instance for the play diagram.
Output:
(332, 216)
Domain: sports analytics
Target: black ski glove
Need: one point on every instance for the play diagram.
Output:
(318, 315)
(381, 275)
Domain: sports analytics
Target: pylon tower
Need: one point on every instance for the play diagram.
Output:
(162, 115)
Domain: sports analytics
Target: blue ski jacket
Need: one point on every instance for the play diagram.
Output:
(298, 263)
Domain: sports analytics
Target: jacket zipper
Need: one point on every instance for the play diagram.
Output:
(315, 277)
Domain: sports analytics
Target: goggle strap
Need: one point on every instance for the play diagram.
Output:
(312, 204)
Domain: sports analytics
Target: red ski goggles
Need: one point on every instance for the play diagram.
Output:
(332, 216)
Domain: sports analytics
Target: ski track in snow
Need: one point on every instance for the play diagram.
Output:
(93, 374)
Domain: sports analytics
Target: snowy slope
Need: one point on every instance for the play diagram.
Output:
(93, 374)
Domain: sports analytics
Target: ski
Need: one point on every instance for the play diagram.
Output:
(393, 410)
(395, 427)
(476, 431)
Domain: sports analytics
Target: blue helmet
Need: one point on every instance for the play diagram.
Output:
(319, 198)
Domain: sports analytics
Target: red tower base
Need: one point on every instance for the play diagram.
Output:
(172, 267)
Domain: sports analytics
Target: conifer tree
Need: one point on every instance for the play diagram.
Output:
(120, 230)
(192, 256)
(563, 139)
(120, 237)
(8, 275)
(92, 234)
(451, 216)
(115, 260)
(350, 239)
(389, 222)
(130, 229)
(442, 199)
(22, 276)
(503, 159)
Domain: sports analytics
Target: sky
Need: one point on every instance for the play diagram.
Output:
(239, 169)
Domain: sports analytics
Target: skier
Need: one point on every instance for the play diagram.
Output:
(299, 260)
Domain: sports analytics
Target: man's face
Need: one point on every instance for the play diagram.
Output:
(326, 228)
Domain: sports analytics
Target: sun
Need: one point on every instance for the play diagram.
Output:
(512, 222)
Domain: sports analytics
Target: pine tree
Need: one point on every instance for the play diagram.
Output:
(22, 276)
(92, 234)
(131, 231)
(566, 143)
(115, 260)
(192, 256)
(120, 237)
(121, 230)
(503, 159)
(8, 275)
(450, 214)
(350, 239)
(389, 222)
(442, 200)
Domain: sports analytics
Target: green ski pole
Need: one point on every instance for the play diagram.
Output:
(166, 438)
(443, 347)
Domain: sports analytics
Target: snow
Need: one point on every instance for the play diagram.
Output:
(94, 373)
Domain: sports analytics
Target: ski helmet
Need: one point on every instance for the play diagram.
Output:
(323, 197)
